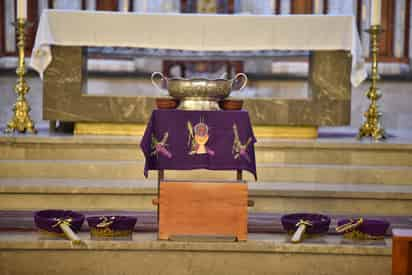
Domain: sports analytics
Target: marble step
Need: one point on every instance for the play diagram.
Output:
(326, 150)
(146, 255)
(272, 172)
(269, 197)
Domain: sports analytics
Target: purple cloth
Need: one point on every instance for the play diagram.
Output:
(46, 220)
(372, 227)
(118, 223)
(178, 151)
(320, 223)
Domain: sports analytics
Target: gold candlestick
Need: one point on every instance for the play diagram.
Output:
(372, 126)
(21, 120)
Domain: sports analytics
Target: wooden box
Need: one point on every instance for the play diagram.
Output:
(203, 209)
(401, 251)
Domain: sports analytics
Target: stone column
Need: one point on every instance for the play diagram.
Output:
(156, 5)
(120, 4)
(170, 6)
(365, 24)
(141, 5)
(342, 7)
(41, 5)
(255, 6)
(318, 7)
(10, 10)
(285, 7)
(90, 4)
(67, 4)
(399, 35)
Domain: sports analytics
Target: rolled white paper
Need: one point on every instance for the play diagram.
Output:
(297, 237)
(22, 9)
(69, 233)
(376, 9)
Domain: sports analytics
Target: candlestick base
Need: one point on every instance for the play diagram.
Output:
(21, 120)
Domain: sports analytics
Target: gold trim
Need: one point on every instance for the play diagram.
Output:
(108, 128)
(289, 132)
(358, 235)
(108, 232)
(134, 129)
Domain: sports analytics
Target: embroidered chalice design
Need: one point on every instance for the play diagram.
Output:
(160, 147)
(239, 149)
(197, 139)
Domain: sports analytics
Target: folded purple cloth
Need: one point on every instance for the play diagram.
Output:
(48, 220)
(320, 223)
(173, 139)
(371, 227)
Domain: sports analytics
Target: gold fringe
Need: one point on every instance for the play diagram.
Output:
(134, 129)
(109, 233)
(357, 235)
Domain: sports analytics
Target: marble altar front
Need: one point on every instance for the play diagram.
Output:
(335, 61)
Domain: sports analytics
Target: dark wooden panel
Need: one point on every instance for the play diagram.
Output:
(210, 66)
(325, 6)
(2, 28)
(407, 25)
(391, 59)
(277, 8)
(359, 15)
(33, 17)
(188, 6)
(388, 17)
(302, 6)
(106, 5)
(226, 6)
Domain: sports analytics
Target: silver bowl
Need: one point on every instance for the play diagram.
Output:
(198, 93)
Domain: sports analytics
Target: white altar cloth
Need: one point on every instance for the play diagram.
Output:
(202, 32)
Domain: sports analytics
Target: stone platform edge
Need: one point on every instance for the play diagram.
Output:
(257, 243)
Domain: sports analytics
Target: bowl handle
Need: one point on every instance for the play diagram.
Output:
(243, 76)
(157, 79)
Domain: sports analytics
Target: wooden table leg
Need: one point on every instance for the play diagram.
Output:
(239, 175)
(52, 126)
(160, 178)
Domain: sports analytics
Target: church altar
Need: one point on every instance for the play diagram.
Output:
(198, 32)
(335, 62)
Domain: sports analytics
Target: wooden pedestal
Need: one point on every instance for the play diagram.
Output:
(402, 252)
(211, 210)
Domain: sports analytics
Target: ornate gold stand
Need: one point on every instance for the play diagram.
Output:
(372, 126)
(21, 120)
